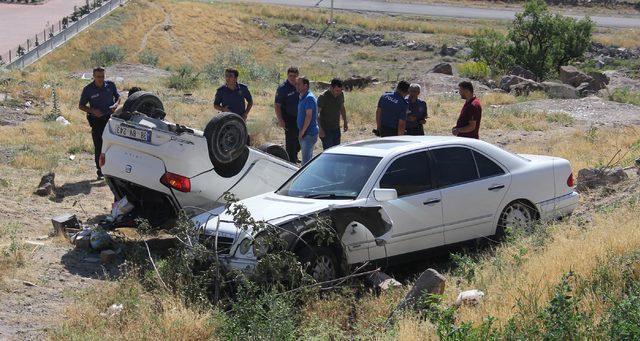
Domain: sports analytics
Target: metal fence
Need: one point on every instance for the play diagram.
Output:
(51, 37)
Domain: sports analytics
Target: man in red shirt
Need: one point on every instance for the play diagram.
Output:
(468, 124)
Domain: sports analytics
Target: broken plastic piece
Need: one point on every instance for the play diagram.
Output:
(121, 207)
(469, 297)
(62, 121)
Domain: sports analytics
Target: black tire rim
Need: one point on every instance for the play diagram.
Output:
(230, 140)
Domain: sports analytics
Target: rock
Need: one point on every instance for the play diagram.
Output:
(558, 90)
(507, 81)
(444, 68)
(448, 51)
(47, 185)
(471, 297)
(381, 281)
(490, 83)
(572, 76)
(525, 88)
(522, 72)
(599, 79)
(587, 89)
(107, 256)
(358, 82)
(167, 27)
(429, 282)
(591, 178)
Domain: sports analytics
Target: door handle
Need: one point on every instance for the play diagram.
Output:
(431, 201)
(493, 188)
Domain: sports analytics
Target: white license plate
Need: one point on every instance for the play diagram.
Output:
(133, 133)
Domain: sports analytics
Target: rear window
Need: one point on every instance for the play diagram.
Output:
(455, 165)
(486, 167)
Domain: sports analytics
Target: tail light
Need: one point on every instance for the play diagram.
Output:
(175, 181)
(570, 180)
(101, 161)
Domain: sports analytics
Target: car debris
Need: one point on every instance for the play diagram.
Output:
(46, 185)
(469, 297)
(64, 222)
(380, 281)
(63, 121)
(108, 256)
(121, 207)
(100, 239)
(113, 310)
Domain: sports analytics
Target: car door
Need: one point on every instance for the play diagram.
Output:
(472, 187)
(417, 212)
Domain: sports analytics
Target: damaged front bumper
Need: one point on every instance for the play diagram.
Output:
(239, 264)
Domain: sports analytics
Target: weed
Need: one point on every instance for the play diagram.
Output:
(624, 95)
(244, 61)
(560, 118)
(107, 55)
(184, 78)
(465, 266)
(474, 70)
(148, 57)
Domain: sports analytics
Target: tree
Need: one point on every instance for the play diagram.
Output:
(492, 48)
(542, 41)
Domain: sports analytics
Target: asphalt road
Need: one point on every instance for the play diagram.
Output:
(441, 10)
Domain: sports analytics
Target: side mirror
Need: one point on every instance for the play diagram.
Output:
(385, 194)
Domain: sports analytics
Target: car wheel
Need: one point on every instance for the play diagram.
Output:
(226, 136)
(227, 170)
(275, 150)
(518, 216)
(144, 102)
(321, 263)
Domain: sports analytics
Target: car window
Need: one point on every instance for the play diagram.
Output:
(455, 165)
(408, 174)
(486, 167)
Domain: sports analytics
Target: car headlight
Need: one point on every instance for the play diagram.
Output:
(244, 246)
(260, 246)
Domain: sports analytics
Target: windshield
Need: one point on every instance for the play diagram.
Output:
(331, 176)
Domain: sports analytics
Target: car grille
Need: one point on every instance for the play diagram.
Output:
(224, 243)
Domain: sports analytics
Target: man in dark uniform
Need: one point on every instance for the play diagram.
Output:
(468, 124)
(286, 107)
(417, 115)
(103, 99)
(391, 114)
(232, 95)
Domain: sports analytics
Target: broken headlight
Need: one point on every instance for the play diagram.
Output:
(244, 246)
(260, 245)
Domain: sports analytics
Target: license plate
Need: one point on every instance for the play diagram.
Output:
(133, 133)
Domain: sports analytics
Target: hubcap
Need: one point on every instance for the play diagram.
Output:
(230, 138)
(324, 269)
(518, 216)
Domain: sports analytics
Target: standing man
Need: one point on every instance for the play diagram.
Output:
(417, 115)
(307, 120)
(330, 109)
(286, 107)
(468, 124)
(391, 114)
(232, 95)
(103, 99)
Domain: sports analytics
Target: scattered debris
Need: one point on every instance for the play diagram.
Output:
(29, 284)
(121, 207)
(100, 239)
(62, 121)
(260, 22)
(469, 297)
(63, 222)
(47, 185)
(113, 310)
(590, 178)
(72, 157)
(381, 281)
(82, 239)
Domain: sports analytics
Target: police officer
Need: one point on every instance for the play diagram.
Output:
(103, 99)
(232, 95)
(417, 115)
(391, 114)
(286, 107)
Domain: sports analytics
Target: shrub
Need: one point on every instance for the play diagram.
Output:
(241, 59)
(624, 317)
(474, 70)
(184, 78)
(492, 48)
(148, 57)
(625, 96)
(108, 55)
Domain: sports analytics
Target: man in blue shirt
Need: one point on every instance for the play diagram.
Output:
(307, 120)
(232, 95)
(391, 114)
(103, 99)
(286, 107)
(417, 115)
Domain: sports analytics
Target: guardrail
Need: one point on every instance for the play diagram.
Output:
(32, 50)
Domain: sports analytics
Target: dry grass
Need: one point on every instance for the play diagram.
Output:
(570, 248)
(12, 254)
(144, 316)
(627, 38)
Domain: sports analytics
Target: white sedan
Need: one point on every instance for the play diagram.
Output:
(399, 195)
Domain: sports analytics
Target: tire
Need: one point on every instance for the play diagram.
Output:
(517, 215)
(231, 169)
(275, 150)
(144, 102)
(321, 263)
(226, 136)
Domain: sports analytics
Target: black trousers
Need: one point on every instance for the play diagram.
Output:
(386, 131)
(417, 130)
(97, 125)
(292, 144)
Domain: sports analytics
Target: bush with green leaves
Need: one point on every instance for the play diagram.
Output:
(184, 78)
(107, 55)
(244, 62)
(148, 57)
(537, 39)
(474, 70)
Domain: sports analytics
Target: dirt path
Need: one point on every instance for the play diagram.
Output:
(166, 25)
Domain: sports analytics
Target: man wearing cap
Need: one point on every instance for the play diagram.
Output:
(391, 114)
(103, 99)
(286, 107)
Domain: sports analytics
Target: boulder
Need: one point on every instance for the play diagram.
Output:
(47, 185)
(587, 89)
(358, 82)
(572, 76)
(507, 81)
(525, 88)
(522, 72)
(591, 178)
(558, 90)
(599, 79)
(429, 282)
(444, 68)
(448, 51)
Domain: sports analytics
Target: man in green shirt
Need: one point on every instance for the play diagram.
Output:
(330, 109)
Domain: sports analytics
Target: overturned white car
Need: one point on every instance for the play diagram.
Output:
(399, 195)
(163, 168)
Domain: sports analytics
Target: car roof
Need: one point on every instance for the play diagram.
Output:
(385, 146)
